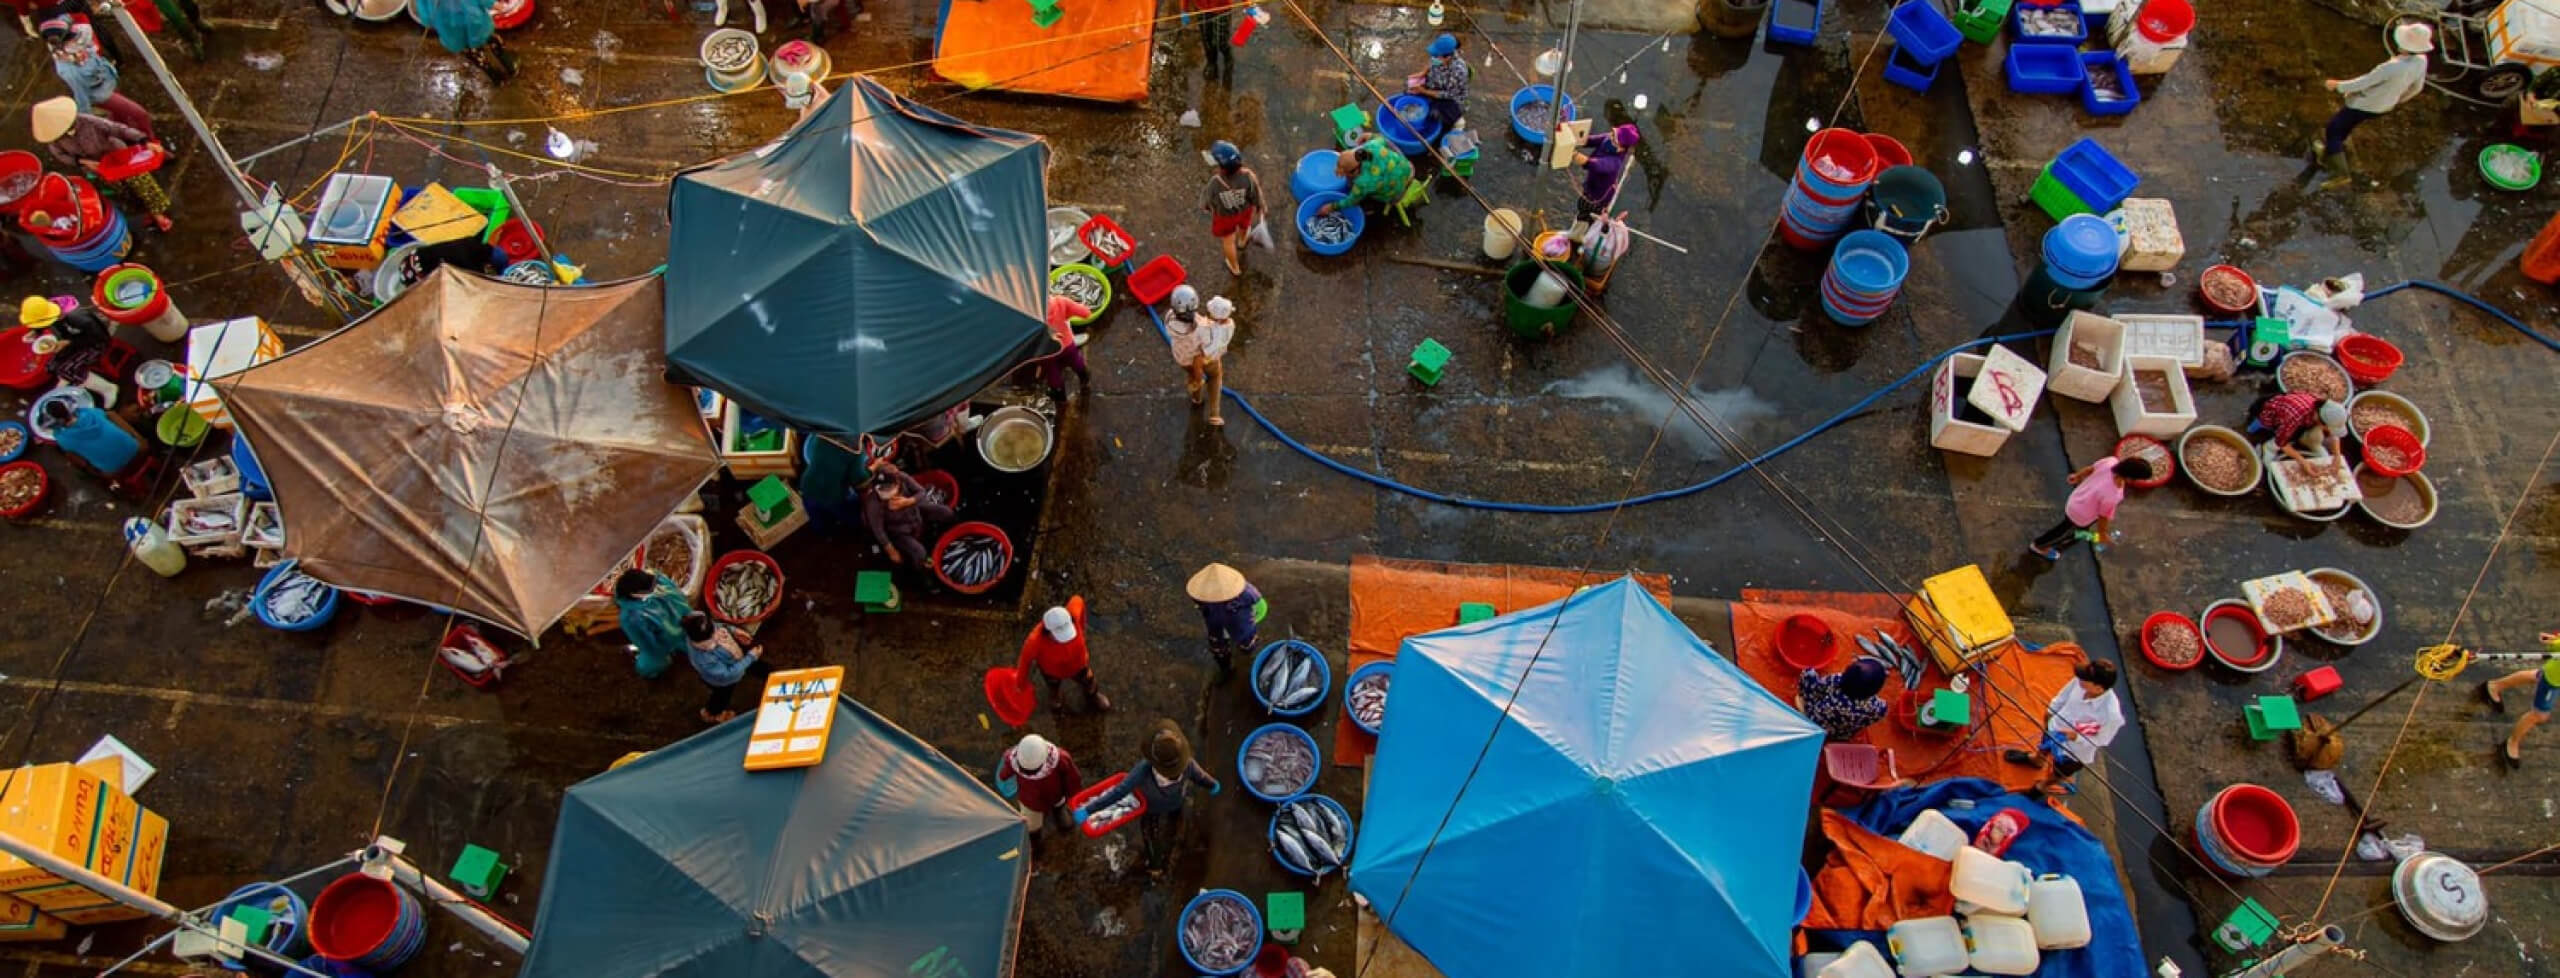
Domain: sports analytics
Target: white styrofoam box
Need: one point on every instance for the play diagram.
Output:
(2068, 379)
(2007, 388)
(1811, 965)
(2144, 57)
(2000, 945)
(2178, 337)
(2147, 229)
(234, 504)
(218, 350)
(1948, 432)
(2133, 419)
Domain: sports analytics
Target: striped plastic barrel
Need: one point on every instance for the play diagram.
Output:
(1864, 277)
(1830, 186)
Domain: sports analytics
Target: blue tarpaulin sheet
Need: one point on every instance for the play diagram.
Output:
(2055, 844)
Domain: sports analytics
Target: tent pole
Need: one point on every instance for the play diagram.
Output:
(498, 179)
(385, 855)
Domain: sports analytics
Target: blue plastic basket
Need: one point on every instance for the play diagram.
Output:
(1409, 138)
(1272, 835)
(1251, 912)
(1307, 212)
(1901, 70)
(2042, 69)
(1537, 93)
(258, 602)
(1924, 34)
(2107, 61)
(1291, 730)
(25, 438)
(1782, 32)
(1386, 666)
(2093, 175)
(1323, 677)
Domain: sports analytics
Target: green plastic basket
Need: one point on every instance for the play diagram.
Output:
(2057, 200)
(2532, 164)
(1980, 20)
(1079, 268)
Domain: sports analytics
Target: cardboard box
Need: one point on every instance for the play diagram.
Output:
(58, 806)
(21, 922)
(150, 847)
(120, 853)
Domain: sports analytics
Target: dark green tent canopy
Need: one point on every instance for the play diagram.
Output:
(884, 859)
(879, 263)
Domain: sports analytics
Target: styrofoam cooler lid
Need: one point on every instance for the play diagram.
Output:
(2007, 388)
(2083, 246)
(227, 347)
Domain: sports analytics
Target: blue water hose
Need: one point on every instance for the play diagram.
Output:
(1781, 448)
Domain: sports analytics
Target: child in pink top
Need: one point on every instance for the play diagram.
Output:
(2090, 513)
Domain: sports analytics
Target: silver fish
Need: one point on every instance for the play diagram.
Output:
(1326, 855)
(1336, 827)
(1298, 676)
(1870, 647)
(1296, 814)
(1270, 672)
(1301, 697)
(1291, 847)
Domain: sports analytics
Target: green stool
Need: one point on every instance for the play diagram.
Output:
(2248, 926)
(253, 922)
(1947, 710)
(1474, 611)
(478, 871)
(1429, 360)
(1415, 192)
(1349, 124)
(1285, 914)
(2270, 716)
(1045, 13)
(876, 592)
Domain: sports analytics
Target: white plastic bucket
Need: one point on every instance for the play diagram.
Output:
(1501, 233)
(1988, 882)
(1924, 946)
(2057, 912)
(1932, 833)
(1861, 960)
(1999, 945)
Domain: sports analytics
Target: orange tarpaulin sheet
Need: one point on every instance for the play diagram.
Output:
(2010, 716)
(1868, 882)
(1097, 49)
(1392, 599)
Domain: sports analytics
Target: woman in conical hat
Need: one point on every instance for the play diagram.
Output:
(1231, 608)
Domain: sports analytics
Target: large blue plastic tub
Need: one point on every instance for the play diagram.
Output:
(1307, 211)
(1315, 175)
(2080, 252)
(2094, 175)
(328, 607)
(1285, 730)
(1795, 21)
(1273, 835)
(1926, 36)
(1410, 138)
(2043, 69)
(1537, 93)
(1323, 675)
(1251, 911)
(2106, 61)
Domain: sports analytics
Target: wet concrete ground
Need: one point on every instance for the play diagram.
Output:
(279, 751)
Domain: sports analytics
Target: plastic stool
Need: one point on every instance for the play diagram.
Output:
(1474, 611)
(1285, 913)
(2318, 683)
(1045, 12)
(1429, 360)
(1348, 123)
(2271, 715)
(1415, 192)
(479, 871)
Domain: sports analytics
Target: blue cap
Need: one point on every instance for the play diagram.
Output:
(1224, 153)
(1444, 45)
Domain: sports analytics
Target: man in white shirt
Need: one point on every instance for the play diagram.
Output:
(2083, 717)
(2373, 93)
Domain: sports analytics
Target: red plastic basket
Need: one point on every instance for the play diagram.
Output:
(2397, 439)
(945, 481)
(1093, 829)
(2369, 359)
(1806, 642)
(1156, 279)
(711, 586)
(21, 367)
(1009, 694)
(131, 161)
(2169, 619)
(2164, 463)
(1890, 152)
(1004, 545)
(44, 487)
(2221, 272)
(1109, 243)
(13, 163)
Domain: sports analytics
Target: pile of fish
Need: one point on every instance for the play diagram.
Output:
(1221, 933)
(1079, 288)
(974, 560)
(1368, 699)
(2105, 84)
(1279, 763)
(1311, 836)
(296, 597)
(2050, 22)
(1290, 678)
(746, 588)
(1413, 112)
(1329, 229)
(935, 493)
(1112, 813)
(1896, 656)
(1538, 116)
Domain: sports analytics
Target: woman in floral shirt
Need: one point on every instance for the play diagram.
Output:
(1843, 703)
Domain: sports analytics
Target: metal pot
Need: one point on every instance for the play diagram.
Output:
(1015, 439)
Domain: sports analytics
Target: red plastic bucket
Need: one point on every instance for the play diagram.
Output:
(21, 367)
(2164, 463)
(17, 166)
(2369, 359)
(367, 922)
(1806, 642)
(1004, 545)
(2398, 439)
(2163, 21)
(1890, 152)
(101, 297)
(2221, 272)
(939, 479)
(1837, 166)
(44, 486)
(2252, 825)
(711, 586)
(2165, 620)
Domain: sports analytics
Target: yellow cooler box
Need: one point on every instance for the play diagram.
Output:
(1959, 619)
(82, 818)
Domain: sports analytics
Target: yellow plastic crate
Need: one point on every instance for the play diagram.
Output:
(1958, 618)
(57, 806)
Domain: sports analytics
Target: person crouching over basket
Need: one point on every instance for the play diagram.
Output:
(86, 141)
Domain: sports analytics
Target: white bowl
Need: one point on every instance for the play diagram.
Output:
(2371, 628)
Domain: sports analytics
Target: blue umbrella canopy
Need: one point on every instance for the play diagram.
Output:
(1638, 811)
(879, 263)
(883, 859)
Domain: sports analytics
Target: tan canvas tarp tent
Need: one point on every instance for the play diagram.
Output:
(486, 446)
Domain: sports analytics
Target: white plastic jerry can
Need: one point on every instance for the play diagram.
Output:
(1985, 882)
(151, 545)
(2057, 912)
(2000, 945)
(1861, 960)
(1924, 947)
(1932, 833)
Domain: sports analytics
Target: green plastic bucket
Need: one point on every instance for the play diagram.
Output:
(1533, 322)
(182, 427)
(2528, 161)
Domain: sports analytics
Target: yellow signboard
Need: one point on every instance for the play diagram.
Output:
(793, 717)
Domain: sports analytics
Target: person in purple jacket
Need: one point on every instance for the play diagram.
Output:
(1604, 160)
(1231, 608)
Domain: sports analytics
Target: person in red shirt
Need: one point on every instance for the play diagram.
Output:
(1043, 777)
(1058, 647)
(1054, 368)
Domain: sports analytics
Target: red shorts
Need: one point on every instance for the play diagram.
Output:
(1230, 225)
